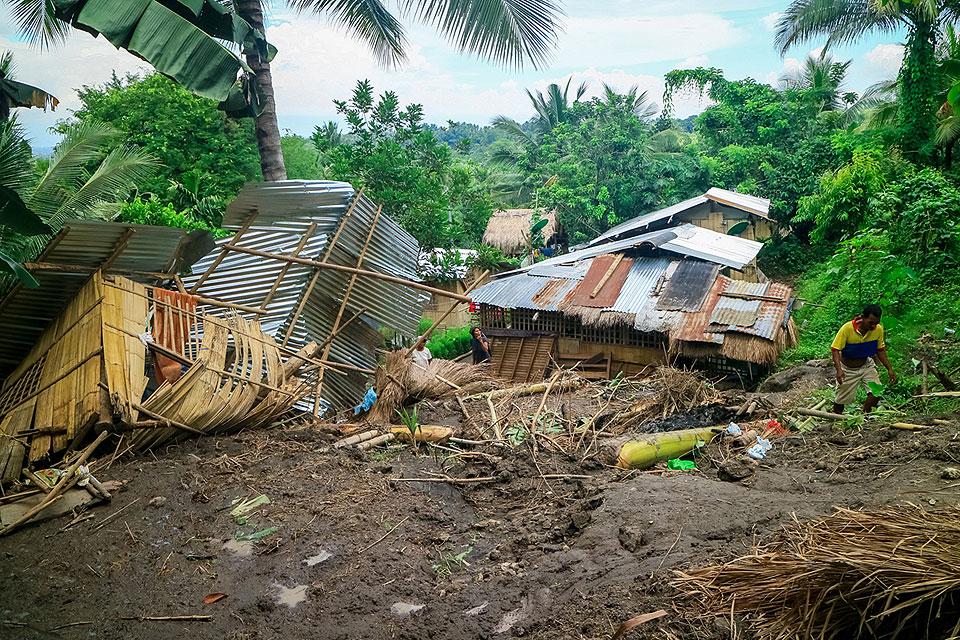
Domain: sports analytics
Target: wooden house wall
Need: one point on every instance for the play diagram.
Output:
(721, 218)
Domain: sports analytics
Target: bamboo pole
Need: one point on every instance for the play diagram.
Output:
(283, 271)
(67, 480)
(361, 272)
(343, 307)
(77, 268)
(316, 274)
(826, 415)
(168, 421)
(223, 251)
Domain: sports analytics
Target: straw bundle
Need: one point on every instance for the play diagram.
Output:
(398, 381)
(893, 573)
(681, 390)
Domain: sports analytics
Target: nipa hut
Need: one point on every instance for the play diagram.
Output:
(672, 295)
(509, 230)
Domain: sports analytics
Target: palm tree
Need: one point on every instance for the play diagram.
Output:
(18, 94)
(847, 21)
(552, 108)
(822, 79)
(634, 100)
(507, 32)
(327, 137)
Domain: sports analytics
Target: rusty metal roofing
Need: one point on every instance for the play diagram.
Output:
(688, 286)
(735, 312)
(284, 213)
(694, 325)
(25, 313)
(772, 315)
(744, 202)
(744, 288)
(523, 291)
(601, 287)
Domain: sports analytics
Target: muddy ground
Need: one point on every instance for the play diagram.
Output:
(358, 553)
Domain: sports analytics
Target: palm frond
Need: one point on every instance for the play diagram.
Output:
(948, 130)
(368, 19)
(37, 21)
(842, 21)
(121, 170)
(83, 144)
(507, 32)
(15, 156)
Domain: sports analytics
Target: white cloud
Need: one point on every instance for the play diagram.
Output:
(601, 42)
(886, 58)
(771, 19)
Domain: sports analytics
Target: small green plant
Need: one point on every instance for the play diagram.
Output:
(450, 562)
(411, 421)
(516, 434)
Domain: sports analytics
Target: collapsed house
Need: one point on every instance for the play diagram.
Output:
(679, 294)
(287, 313)
(509, 230)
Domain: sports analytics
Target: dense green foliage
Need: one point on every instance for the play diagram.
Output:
(152, 211)
(435, 195)
(450, 343)
(191, 138)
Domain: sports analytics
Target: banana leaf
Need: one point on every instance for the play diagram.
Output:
(182, 39)
(19, 94)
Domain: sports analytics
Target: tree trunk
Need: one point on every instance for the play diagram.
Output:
(268, 131)
(948, 156)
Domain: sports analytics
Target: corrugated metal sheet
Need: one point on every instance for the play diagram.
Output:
(688, 286)
(519, 291)
(751, 204)
(28, 312)
(641, 222)
(567, 271)
(771, 314)
(743, 288)
(285, 212)
(609, 289)
(641, 291)
(693, 326)
(684, 240)
(735, 313)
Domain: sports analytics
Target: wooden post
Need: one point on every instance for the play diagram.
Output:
(118, 248)
(224, 250)
(923, 380)
(316, 274)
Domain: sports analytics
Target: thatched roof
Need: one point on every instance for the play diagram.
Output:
(508, 229)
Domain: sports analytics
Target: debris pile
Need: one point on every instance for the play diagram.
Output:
(891, 573)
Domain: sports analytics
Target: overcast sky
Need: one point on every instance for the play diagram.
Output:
(621, 42)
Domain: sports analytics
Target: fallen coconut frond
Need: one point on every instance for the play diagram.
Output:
(399, 381)
(888, 574)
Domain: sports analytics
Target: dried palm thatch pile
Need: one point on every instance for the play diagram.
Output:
(886, 574)
(673, 391)
(398, 382)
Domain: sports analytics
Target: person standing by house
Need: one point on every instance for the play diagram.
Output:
(854, 349)
(480, 345)
(420, 354)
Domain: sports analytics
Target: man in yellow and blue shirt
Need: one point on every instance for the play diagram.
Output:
(858, 343)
